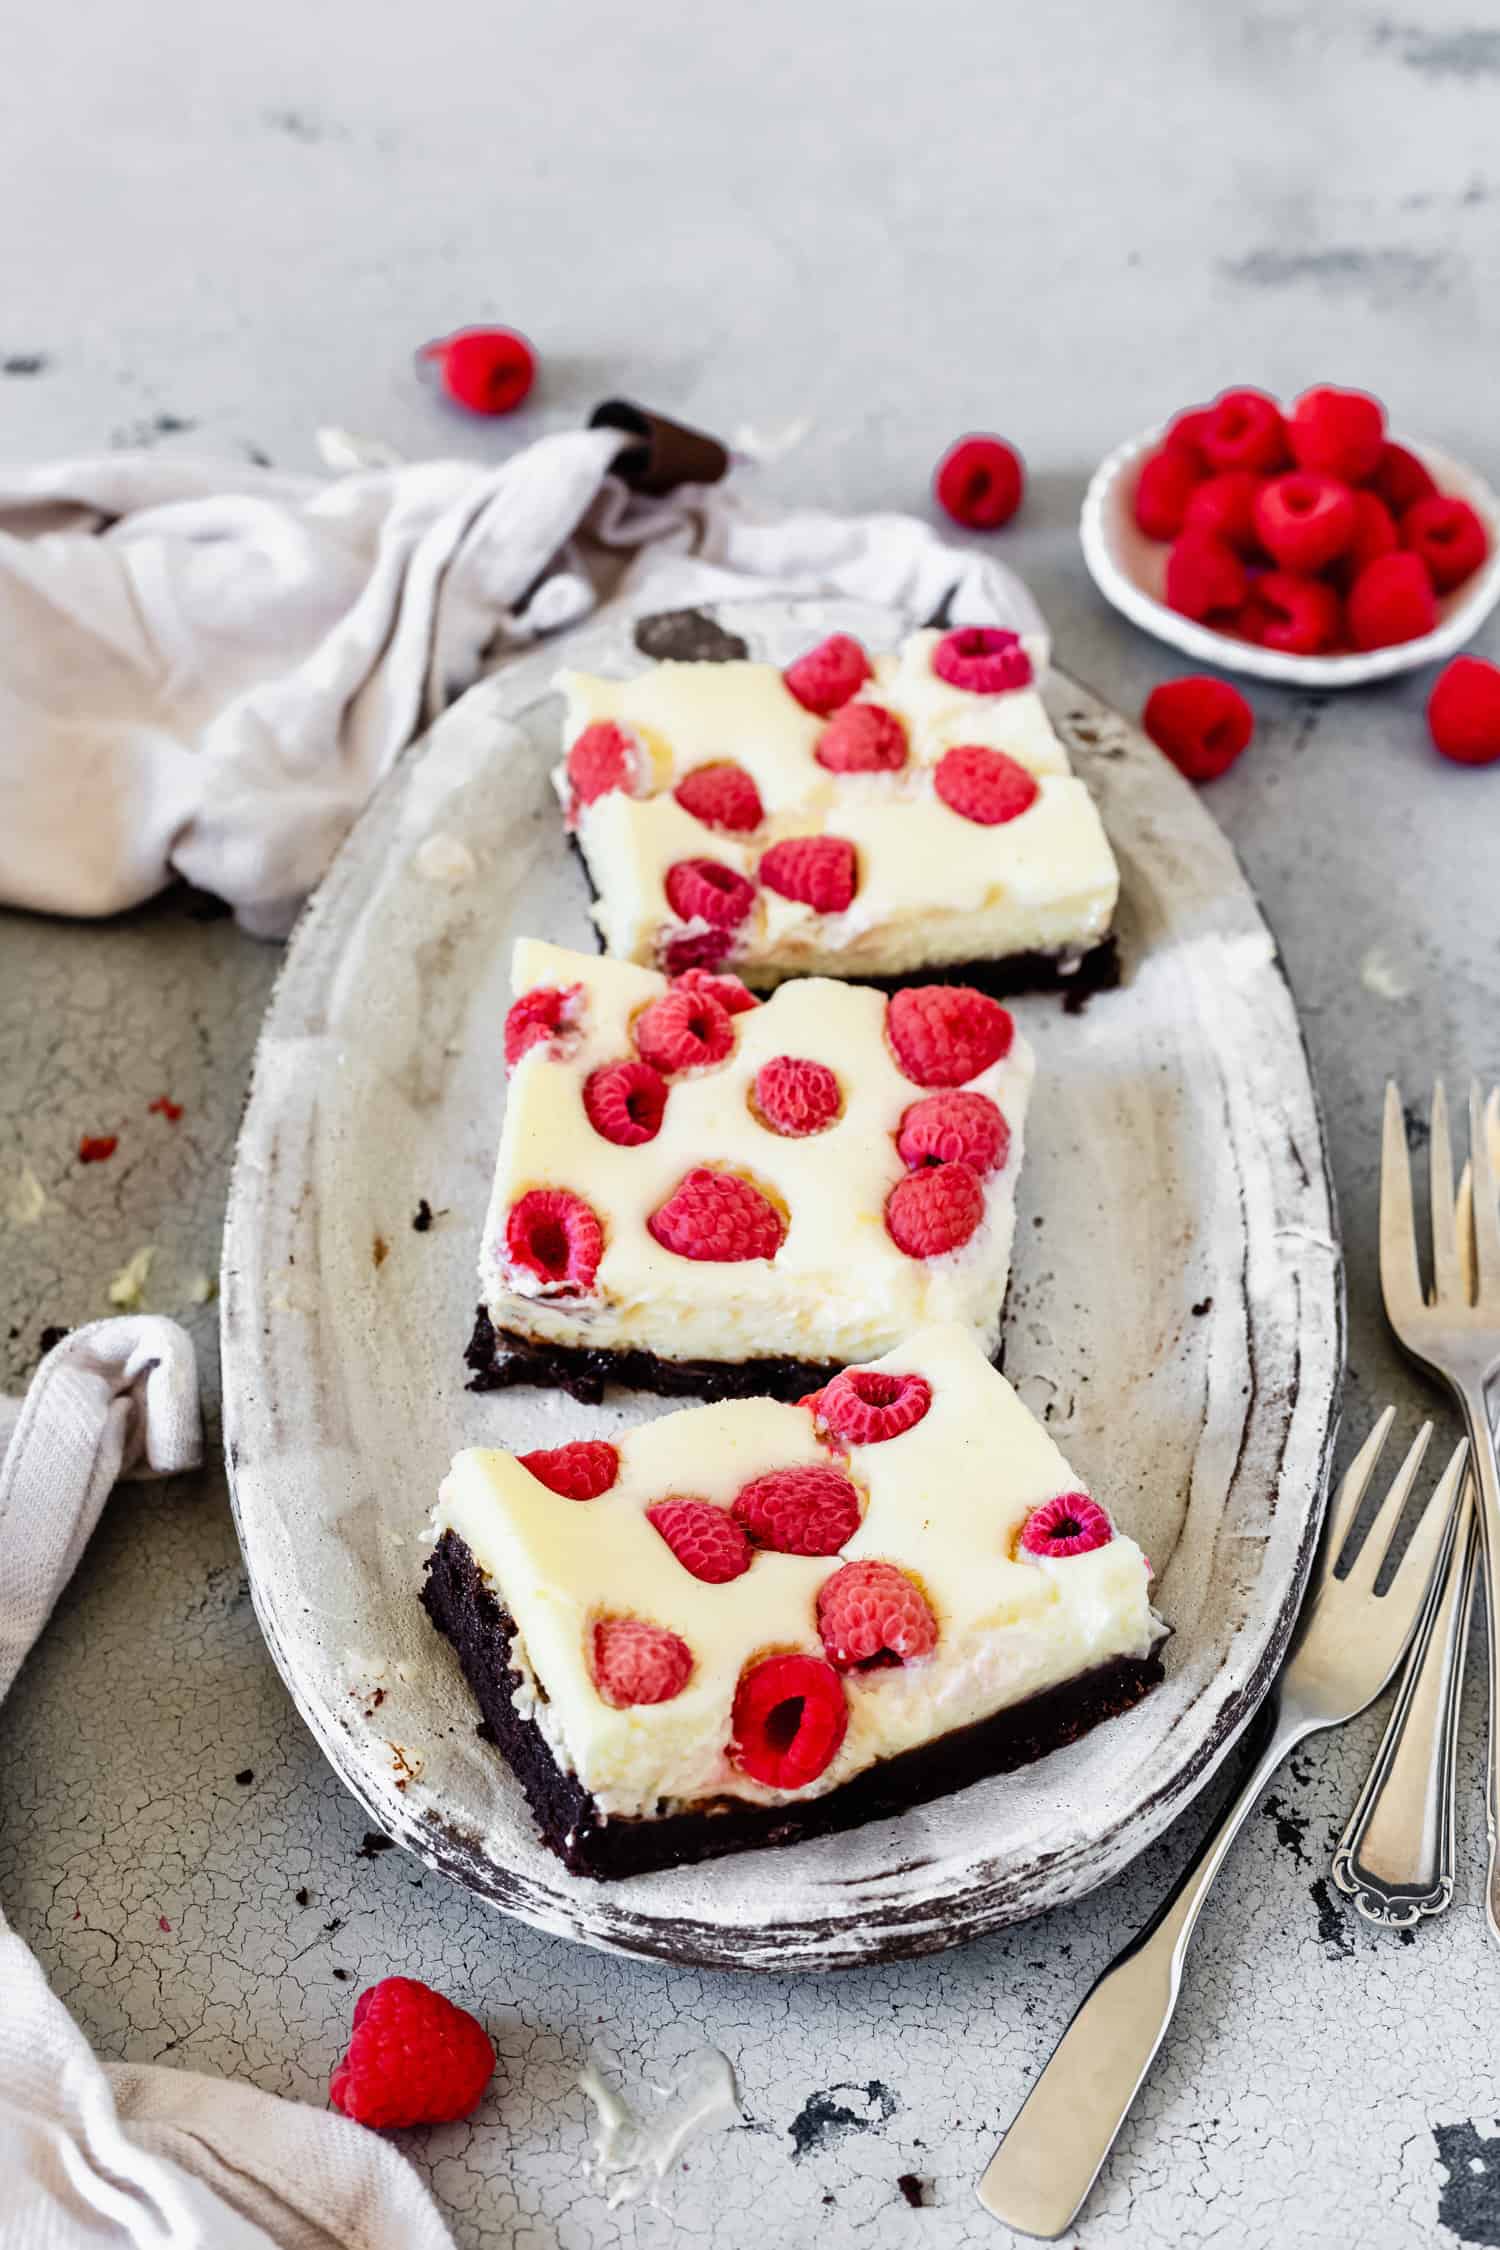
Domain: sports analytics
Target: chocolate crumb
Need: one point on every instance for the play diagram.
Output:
(245, 1776)
(51, 1337)
(301, 1896)
(423, 1219)
(1204, 1305)
(23, 363)
(911, 2188)
(342, 1975)
(374, 1842)
(380, 1250)
(336, 1924)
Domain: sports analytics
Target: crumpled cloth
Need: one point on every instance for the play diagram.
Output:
(125, 2156)
(206, 668)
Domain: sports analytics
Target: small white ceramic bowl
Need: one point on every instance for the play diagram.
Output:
(1130, 570)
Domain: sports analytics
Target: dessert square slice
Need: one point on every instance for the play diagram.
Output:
(752, 1622)
(700, 1192)
(843, 818)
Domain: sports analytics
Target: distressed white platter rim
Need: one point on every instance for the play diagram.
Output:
(1175, 1155)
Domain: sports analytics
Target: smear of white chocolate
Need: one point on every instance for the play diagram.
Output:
(769, 443)
(445, 859)
(633, 2154)
(128, 1288)
(25, 1199)
(1383, 976)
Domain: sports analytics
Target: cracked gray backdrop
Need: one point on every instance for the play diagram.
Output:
(219, 231)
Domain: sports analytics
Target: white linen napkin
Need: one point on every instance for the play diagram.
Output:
(206, 668)
(125, 2156)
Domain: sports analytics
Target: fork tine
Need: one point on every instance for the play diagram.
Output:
(1447, 1271)
(1365, 1567)
(1486, 1208)
(1356, 1483)
(1415, 1566)
(1400, 1281)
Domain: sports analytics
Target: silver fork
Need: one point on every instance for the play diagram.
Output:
(1455, 1334)
(1349, 1642)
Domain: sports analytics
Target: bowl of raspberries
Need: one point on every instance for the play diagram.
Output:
(1299, 543)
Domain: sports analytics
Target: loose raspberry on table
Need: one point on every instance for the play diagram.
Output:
(1287, 611)
(862, 738)
(1304, 520)
(983, 785)
(817, 871)
(603, 758)
(1200, 723)
(1224, 507)
(1341, 433)
(580, 1471)
(1166, 483)
(721, 795)
(717, 1218)
(1390, 601)
(790, 1717)
(489, 370)
(827, 676)
(1463, 712)
(686, 1029)
(1244, 430)
(540, 1018)
(979, 482)
(935, 1210)
(867, 1405)
(1401, 479)
(955, 1128)
(804, 1511)
(634, 1662)
(554, 1235)
(946, 1034)
(625, 1102)
(1185, 434)
(871, 1613)
(733, 996)
(97, 1148)
(413, 2058)
(1072, 1524)
(1374, 535)
(706, 1540)
(796, 1096)
(982, 660)
(1205, 577)
(705, 890)
(1449, 537)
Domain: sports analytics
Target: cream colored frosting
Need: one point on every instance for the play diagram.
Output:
(933, 889)
(945, 1502)
(838, 1288)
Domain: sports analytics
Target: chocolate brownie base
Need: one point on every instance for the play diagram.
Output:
(501, 1358)
(462, 1606)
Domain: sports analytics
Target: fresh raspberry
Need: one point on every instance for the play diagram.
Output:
(705, 890)
(985, 786)
(1391, 600)
(604, 757)
(1185, 434)
(827, 676)
(1244, 430)
(1287, 611)
(489, 370)
(1463, 712)
(717, 1218)
(1072, 1524)
(807, 1511)
(706, 1540)
(870, 1613)
(935, 1210)
(1205, 578)
(818, 871)
(867, 1405)
(580, 1471)
(626, 1102)
(722, 796)
(1167, 482)
(686, 1029)
(862, 738)
(796, 1096)
(979, 482)
(536, 1019)
(97, 1148)
(954, 1129)
(982, 660)
(1374, 535)
(1304, 520)
(634, 1662)
(1401, 479)
(412, 2059)
(1201, 724)
(1339, 433)
(1224, 507)
(790, 1717)
(734, 997)
(555, 1236)
(1449, 537)
(946, 1034)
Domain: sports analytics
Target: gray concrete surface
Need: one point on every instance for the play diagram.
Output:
(217, 232)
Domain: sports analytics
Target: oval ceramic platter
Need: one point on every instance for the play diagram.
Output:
(1176, 1316)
